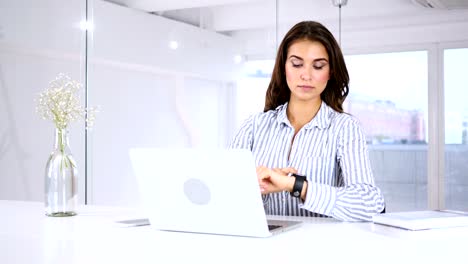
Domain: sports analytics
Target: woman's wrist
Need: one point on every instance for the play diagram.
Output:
(289, 183)
(304, 191)
(298, 187)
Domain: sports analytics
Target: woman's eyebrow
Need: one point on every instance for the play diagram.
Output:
(299, 58)
(296, 57)
(321, 59)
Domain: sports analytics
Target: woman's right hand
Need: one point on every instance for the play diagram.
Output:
(275, 180)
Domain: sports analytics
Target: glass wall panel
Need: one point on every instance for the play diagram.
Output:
(456, 128)
(38, 40)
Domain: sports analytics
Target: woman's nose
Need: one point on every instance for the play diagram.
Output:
(306, 75)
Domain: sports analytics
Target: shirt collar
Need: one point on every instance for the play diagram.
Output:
(321, 120)
(282, 118)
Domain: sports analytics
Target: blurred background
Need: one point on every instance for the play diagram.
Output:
(187, 73)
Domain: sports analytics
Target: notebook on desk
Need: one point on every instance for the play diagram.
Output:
(203, 191)
(423, 220)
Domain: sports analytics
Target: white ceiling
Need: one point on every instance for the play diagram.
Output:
(233, 16)
(258, 25)
(165, 5)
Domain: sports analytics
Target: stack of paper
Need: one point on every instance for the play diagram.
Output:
(421, 220)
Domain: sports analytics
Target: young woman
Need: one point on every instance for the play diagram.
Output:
(312, 157)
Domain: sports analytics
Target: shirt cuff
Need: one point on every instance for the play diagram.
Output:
(320, 198)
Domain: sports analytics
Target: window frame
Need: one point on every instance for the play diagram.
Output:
(436, 111)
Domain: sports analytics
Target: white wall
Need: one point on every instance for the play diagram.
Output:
(152, 96)
(140, 39)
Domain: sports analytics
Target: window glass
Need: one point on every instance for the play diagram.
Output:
(388, 94)
(456, 128)
(252, 88)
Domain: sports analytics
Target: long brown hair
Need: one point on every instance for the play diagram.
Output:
(337, 87)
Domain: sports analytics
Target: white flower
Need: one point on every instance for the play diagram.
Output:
(60, 102)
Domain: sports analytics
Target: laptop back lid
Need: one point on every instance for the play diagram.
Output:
(198, 190)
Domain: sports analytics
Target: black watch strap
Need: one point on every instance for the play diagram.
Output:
(298, 185)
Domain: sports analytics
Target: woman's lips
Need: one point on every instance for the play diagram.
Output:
(305, 87)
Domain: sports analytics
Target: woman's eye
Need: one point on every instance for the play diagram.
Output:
(296, 65)
(319, 66)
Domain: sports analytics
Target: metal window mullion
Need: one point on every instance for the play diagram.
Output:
(86, 101)
(276, 25)
(441, 127)
(88, 41)
(436, 127)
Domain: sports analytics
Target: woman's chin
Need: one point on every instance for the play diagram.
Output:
(305, 97)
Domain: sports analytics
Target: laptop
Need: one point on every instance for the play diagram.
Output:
(213, 191)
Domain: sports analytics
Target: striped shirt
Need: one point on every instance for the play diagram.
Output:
(330, 151)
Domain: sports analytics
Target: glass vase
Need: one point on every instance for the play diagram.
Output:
(61, 196)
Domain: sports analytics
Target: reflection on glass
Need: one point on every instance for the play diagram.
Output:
(251, 88)
(388, 94)
(456, 128)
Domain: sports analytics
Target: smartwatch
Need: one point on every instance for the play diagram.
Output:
(298, 185)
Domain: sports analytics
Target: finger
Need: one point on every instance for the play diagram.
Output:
(279, 172)
(268, 189)
(265, 174)
(260, 168)
(289, 170)
(263, 187)
(260, 171)
(263, 182)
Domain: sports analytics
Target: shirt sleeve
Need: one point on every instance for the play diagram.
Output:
(358, 199)
(243, 138)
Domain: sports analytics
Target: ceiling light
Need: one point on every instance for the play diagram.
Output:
(339, 2)
(173, 45)
(86, 25)
(238, 59)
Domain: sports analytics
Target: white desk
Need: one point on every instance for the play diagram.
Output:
(27, 236)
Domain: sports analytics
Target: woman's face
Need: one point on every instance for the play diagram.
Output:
(307, 70)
